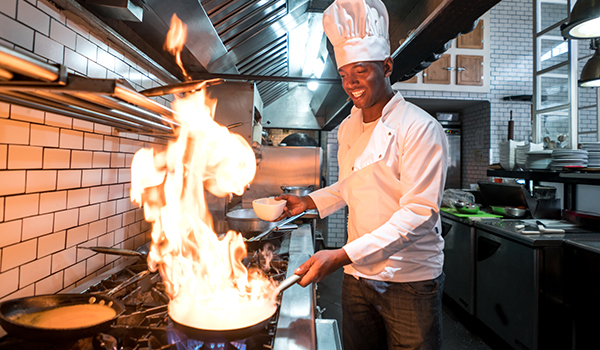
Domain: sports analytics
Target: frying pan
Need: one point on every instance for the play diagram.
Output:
(228, 335)
(11, 309)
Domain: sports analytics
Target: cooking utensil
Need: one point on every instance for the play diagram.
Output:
(268, 209)
(276, 228)
(275, 238)
(510, 212)
(233, 334)
(115, 251)
(246, 222)
(12, 309)
(298, 190)
(466, 208)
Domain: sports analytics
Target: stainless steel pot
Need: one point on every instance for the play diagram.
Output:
(297, 190)
(246, 222)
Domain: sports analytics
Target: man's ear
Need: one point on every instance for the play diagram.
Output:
(388, 66)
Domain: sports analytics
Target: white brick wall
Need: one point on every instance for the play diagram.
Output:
(64, 182)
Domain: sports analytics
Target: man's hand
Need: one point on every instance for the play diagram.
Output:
(322, 264)
(295, 205)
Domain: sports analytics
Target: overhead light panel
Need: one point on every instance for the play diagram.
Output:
(584, 21)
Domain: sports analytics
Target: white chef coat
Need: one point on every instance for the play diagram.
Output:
(392, 180)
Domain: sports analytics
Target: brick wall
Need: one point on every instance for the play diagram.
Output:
(64, 183)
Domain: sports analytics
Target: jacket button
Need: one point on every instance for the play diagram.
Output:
(380, 156)
(352, 168)
(390, 133)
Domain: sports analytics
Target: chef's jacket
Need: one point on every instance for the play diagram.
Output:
(392, 179)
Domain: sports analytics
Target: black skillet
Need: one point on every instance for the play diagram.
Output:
(12, 309)
(212, 335)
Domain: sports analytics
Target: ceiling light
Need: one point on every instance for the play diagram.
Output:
(312, 85)
(590, 74)
(584, 21)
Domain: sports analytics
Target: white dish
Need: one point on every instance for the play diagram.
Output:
(268, 209)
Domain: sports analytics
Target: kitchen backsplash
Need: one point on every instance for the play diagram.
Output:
(64, 182)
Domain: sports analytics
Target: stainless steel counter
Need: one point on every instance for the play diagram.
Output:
(296, 324)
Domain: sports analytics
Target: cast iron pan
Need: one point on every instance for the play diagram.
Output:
(11, 309)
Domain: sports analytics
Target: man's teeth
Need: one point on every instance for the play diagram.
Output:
(358, 93)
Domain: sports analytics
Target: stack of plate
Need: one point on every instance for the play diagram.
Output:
(521, 153)
(539, 159)
(569, 158)
(593, 149)
(507, 153)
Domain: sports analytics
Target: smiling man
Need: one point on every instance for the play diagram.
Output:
(392, 168)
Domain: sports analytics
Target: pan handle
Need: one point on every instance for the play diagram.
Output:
(276, 228)
(128, 281)
(114, 251)
(288, 282)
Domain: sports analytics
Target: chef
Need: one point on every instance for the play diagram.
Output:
(392, 169)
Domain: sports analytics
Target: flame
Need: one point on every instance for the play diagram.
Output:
(207, 283)
(176, 37)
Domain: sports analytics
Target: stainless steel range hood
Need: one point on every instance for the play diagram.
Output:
(262, 40)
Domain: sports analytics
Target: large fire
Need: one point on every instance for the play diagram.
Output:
(208, 285)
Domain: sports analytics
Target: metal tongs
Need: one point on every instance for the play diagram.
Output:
(276, 228)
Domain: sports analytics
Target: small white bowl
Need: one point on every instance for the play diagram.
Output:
(268, 209)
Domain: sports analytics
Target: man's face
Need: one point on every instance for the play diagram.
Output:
(365, 82)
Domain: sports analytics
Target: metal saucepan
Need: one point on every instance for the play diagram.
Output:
(510, 212)
(233, 334)
(246, 222)
(12, 309)
(298, 190)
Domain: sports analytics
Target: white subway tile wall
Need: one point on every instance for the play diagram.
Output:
(64, 182)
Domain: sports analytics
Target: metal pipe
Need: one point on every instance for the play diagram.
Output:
(187, 86)
(5, 75)
(72, 101)
(19, 63)
(203, 75)
(138, 99)
(123, 109)
(77, 112)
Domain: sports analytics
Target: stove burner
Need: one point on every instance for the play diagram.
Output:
(145, 325)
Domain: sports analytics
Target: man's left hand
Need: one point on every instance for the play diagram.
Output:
(322, 264)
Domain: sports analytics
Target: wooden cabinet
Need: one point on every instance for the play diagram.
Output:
(469, 70)
(438, 72)
(472, 40)
(464, 67)
(412, 80)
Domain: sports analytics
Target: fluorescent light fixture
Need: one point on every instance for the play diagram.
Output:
(584, 21)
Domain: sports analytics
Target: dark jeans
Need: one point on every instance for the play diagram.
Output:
(389, 315)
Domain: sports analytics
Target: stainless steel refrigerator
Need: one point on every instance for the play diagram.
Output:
(453, 179)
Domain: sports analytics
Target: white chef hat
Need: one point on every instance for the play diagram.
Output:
(358, 30)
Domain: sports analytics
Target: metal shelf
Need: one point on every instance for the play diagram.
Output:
(32, 83)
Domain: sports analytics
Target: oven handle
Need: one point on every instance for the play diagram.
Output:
(486, 248)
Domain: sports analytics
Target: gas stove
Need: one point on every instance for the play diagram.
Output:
(145, 324)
